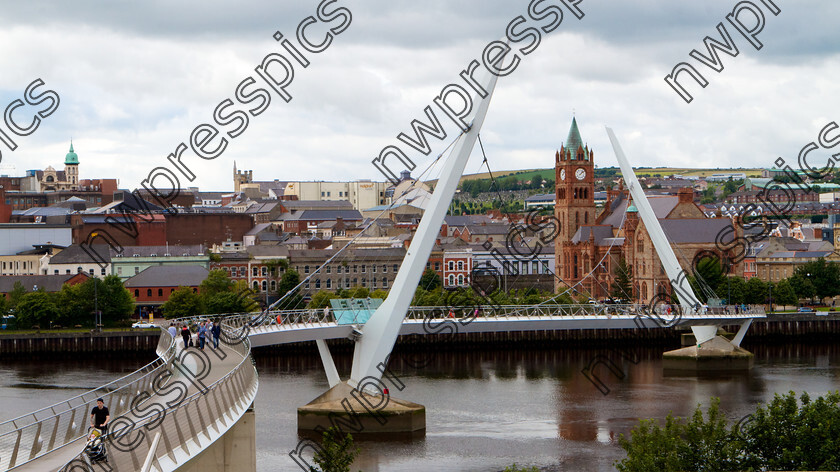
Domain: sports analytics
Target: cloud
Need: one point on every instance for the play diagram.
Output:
(136, 77)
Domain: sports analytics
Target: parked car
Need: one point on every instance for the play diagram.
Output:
(144, 324)
(805, 309)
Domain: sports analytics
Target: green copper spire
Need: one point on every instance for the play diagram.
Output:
(71, 157)
(573, 141)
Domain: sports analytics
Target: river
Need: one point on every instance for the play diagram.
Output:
(485, 410)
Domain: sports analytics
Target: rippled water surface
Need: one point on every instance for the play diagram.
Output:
(485, 410)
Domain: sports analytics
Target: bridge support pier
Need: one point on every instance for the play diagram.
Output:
(236, 451)
(711, 353)
(359, 412)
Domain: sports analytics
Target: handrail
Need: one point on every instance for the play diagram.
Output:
(43, 435)
(187, 423)
(154, 363)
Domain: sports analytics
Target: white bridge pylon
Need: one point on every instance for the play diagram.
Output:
(677, 276)
(377, 338)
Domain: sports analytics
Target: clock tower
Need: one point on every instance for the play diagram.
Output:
(574, 199)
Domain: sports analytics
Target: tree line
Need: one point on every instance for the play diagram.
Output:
(73, 305)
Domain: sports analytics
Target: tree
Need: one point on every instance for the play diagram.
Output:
(756, 291)
(802, 285)
(4, 305)
(322, 299)
(217, 281)
(430, 280)
(733, 290)
(183, 302)
(289, 281)
(824, 276)
(16, 294)
(779, 436)
(114, 300)
(622, 285)
(227, 302)
(783, 294)
(337, 452)
(36, 308)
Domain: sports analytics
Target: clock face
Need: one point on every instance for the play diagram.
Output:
(562, 174)
(580, 174)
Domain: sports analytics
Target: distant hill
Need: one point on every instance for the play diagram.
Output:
(640, 172)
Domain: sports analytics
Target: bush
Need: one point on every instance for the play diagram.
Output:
(779, 436)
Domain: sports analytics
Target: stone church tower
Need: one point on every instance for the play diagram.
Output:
(574, 198)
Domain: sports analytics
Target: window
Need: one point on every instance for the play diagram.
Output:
(460, 279)
(338, 269)
(355, 268)
(102, 271)
(256, 285)
(346, 283)
(329, 283)
(373, 282)
(545, 267)
(263, 285)
(78, 269)
(328, 194)
(535, 267)
(119, 271)
(254, 271)
(91, 272)
(328, 269)
(460, 265)
(355, 281)
(384, 282)
(68, 271)
(451, 280)
(396, 268)
(233, 272)
(322, 194)
(56, 271)
(437, 266)
(451, 265)
(373, 268)
(364, 282)
(242, 271)
(136, 293)
(153, 255)
(306, 285)
(273, 285)
(136, 270)
(148, 292)
(317, 284)
(264, 271)
(363, 268)
(384, 268)
(160, 292)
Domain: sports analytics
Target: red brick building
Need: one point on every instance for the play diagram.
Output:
(152, 287)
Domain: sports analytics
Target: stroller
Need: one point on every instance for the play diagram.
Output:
(95, 447)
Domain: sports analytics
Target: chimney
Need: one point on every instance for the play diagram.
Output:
(686, 195)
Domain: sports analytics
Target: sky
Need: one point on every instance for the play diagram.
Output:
(135, 78)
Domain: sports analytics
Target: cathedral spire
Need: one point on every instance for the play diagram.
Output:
(573, 141)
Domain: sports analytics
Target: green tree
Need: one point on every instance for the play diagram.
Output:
(733, 290)
(217, 281)
(337, 452)
(36, 308)
(227, 302)
(622, 284)
(802, 285)
(783, 294)
(825, 277)
(430, 280)
(16, 294)
(4, 305)
(756, 291)
(288, 282)
(322, 299)
(114, 300)
(183, 302)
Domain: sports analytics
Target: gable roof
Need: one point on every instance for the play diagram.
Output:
(50, 283)
(74, 254)
(168, 276)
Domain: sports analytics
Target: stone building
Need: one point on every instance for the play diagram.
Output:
(51, 180)
(589, 247)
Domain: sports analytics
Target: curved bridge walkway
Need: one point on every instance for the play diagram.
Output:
(291, 326)
(162, 415)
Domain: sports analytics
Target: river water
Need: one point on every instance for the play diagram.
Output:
(485, 410)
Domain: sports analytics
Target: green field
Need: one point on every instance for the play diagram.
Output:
(528, 174)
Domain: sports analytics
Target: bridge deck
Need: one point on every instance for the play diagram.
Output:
(193, 375)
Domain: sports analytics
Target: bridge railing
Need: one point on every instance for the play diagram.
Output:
(189, 425)
(34, 434)
(317, 316)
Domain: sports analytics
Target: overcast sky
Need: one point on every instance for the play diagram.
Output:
(136, 77)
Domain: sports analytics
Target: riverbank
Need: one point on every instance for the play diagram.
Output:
(127, 342)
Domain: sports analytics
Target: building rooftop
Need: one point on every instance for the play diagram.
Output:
(168, 276)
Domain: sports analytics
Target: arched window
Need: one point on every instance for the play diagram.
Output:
(256, 285)
(460, 265)
(329, 283)
(79, 270)
(460, 279)
(136, 293)
(384, 282)
(451, 265)
(254, 271)
(577, 220)
(263, 285)
(306, 269)
(586, 218)
(317, 284)
(160, 292)
(451, 280)
(273, 285)
(264, 271)
(148, 292)
(364, 282)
